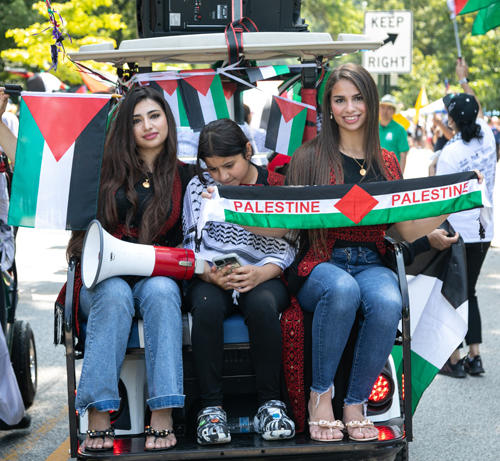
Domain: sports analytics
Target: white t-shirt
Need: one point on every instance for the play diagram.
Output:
(12, 123)
(458, 156)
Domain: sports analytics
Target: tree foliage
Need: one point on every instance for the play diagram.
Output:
(85, 22)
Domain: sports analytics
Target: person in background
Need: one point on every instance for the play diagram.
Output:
(256, 137)
(393, 136)
(495, 128)
(440, 124)
(472, 147)
(12, 414)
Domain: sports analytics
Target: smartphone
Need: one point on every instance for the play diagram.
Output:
(231, 259)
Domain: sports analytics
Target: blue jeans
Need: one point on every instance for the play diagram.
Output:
(109, 309)
(353, 279)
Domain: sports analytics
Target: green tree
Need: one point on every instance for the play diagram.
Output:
(85, 21)
(14, 13)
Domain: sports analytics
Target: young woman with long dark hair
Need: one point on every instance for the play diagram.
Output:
(140, 200)
(339, 273)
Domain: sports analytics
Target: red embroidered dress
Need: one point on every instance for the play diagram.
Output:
(292, 320)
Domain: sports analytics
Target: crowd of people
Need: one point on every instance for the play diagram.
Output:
(339, 275)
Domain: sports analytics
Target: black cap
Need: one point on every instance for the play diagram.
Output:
(462, 107)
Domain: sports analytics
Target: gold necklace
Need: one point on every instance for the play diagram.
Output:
(362, 171)
(146, 184)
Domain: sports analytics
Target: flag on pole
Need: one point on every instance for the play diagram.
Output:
(468, 6)
(285, 127)
(313, 207)
(203, 98)
(58, 160)
(422, 101)
(437, 285)
(171, 93)
(403, 121)
(487, 19)
(263, 73)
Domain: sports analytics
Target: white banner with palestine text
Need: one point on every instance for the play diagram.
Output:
(346, 205)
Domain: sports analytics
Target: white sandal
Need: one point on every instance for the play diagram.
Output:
(330, 425)
(366, 424)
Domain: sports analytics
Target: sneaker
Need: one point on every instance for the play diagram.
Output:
(455, 371)
(474, 366)
(23, 424)
(272, 421)
(212, 426)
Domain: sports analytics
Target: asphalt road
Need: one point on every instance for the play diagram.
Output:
(450, 422)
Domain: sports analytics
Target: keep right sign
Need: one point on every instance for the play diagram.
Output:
(395, 29)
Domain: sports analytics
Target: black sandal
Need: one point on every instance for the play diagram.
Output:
(149, 431)
(93, 434)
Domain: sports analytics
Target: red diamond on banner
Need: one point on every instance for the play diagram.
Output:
(356, 204)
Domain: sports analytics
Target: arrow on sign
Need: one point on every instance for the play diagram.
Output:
(392, 38)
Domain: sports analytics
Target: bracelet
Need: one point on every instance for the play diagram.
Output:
(463, 80)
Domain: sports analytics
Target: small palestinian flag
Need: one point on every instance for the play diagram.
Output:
(346, 205)
(437, 285)
(229, 90)
(171, 93)
(58, 160)
(203, 98)
(263, 73)
(285, 127)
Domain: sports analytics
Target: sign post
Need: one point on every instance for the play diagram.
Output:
(395, 29)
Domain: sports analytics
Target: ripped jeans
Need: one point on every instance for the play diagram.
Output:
(353, 279)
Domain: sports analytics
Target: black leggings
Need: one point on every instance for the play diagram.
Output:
(260, 307)
(476, 253)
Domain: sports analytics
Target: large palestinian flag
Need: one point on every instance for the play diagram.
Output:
(285, 128)
(58, 160)
(203, 98)
(347, 205)
(171, 93)
(437, 285)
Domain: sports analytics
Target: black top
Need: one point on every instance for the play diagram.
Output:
(352, 169)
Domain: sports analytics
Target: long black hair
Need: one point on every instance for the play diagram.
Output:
(122, 166)
(220, 138)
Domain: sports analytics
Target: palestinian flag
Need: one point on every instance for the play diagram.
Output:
(203, 98)
(437, 285)
(285, 127)
(469, 6)
(346, 205)
(171, 93)
(58, 160)
(487, 19)
(229, 90)
(263, 73)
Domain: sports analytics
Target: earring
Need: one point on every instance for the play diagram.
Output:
(331, 116)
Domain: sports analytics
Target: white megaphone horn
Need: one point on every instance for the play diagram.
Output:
(104, 256)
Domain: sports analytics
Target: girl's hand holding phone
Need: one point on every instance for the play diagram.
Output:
(245, 278)
(220, 277)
